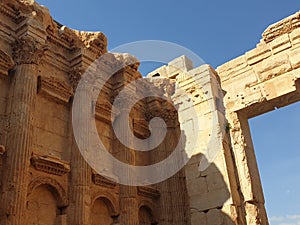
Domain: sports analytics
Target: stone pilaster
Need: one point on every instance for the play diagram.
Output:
(174, 199)
(165, 201)
(128, 194)
(80, 191)
(27, 53)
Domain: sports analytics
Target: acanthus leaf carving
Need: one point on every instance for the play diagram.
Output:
(27, 50)
(75, 76)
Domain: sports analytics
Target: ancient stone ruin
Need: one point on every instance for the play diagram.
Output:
(44, 179)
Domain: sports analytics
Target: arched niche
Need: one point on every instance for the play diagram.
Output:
(46, 201)
(146, 216)
(103, 211)
(54, 186)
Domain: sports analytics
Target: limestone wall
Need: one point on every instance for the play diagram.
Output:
(42, 171)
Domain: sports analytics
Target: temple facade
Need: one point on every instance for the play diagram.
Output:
(44, 180)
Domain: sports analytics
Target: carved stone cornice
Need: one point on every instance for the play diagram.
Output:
(104, 112)
(27, 50)
(284, 26)
(50, 165)
(6, 63)
(141, 128)
(103, 181)
(94, 41)
(148, 192)
(9, 12)
(165, 111)
(55, 89)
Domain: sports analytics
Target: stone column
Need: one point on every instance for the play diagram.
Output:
(27, 55)
(176, 204)
(80, 190)
(128, 194)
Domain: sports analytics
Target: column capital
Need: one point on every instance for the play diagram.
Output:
(27, 50)
(75, 76)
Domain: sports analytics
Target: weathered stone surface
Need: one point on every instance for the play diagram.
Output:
(45, 180)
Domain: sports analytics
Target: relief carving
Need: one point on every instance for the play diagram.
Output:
(6, 63)
(27, 50)
(75, 75)
(148, 192)
(50, 165)
(55, 89)
(102, 181)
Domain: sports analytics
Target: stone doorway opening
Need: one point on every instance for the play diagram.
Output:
(275, 137)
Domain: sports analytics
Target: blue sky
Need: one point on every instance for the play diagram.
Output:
(217, 31)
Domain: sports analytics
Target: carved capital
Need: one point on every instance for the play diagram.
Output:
(27, 50)
(162, 110)
(75, 76)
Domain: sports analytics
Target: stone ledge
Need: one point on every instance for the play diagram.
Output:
(103, 181)
(50, 165)
(55, 89)
(148, 192)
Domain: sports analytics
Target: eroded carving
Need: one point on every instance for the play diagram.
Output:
(55, 89)
(50, 165)
(102, 181)
(27, 50)
(57, 188)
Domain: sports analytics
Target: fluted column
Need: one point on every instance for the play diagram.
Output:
(128, 194)
(80, 190)
(27, 54)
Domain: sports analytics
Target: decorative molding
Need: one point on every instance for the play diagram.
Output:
(27, 50)
(50, 165)
(141, 128)
(75, 76)
(104, 112)
(284, 26)
(103, 181)
(6, 63)
(55, 89)
(58, 190)
(9, 12)
(148, 192)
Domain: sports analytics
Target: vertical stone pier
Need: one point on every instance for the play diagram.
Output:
(128, 194)
(27, 54)
(80, 191)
